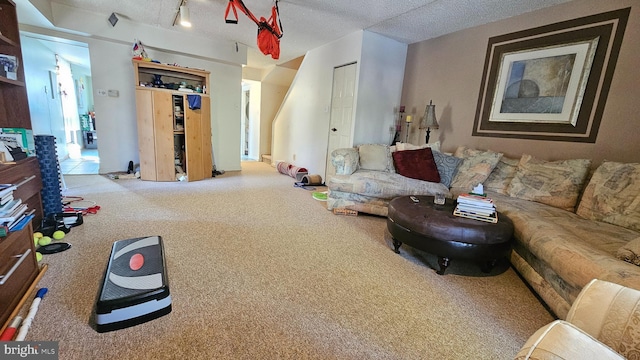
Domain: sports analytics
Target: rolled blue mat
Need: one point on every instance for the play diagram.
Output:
(51, 192)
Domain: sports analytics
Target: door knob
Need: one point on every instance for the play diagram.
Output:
(334, 129)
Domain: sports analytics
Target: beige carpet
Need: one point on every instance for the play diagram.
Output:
(258, 269)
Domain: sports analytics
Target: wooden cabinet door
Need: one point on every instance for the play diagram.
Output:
(155, 135)
(193, 142)
(146, 141)
(163, 133)
(207, 149)
(198, 140)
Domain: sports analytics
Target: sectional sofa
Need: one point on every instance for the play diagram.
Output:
(573, 223)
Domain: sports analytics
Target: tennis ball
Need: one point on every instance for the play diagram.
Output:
(45, 240)
(38, 256)
(58, 234)
(36, 237)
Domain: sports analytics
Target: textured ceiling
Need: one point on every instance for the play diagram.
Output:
(308, 24)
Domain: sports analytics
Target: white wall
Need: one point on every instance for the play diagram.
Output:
(300, 132)
(301, 126)
(255, 99)
(45, 109)
(271, 99)
(380, 88)
(83, 75)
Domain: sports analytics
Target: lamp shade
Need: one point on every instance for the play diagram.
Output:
(429, 119)
(185, 19)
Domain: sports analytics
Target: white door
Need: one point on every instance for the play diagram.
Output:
(341, 122)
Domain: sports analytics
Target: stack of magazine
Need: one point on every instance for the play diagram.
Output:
(13, 212)
(476, 207)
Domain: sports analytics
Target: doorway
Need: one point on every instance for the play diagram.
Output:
(60, 93)
(341, 122)
(250, 121)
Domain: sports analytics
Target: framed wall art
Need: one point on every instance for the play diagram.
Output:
(551, 82)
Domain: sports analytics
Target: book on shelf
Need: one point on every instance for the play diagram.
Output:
(21, 222)
(486, 218)
(5, 199)
(11, 225)
(9, 207)
(6, 189)
(15, 214)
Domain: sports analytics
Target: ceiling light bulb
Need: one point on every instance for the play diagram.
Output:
(185, 19)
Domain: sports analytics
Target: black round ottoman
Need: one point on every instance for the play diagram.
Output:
(434, 229)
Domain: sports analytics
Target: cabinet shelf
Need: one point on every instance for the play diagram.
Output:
(170, 73)
(147, 72)
(175, 92)
(20, 273)
(6, 41)
(12, 82)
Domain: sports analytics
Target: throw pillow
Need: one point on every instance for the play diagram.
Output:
(464, 152)
(416, 164)
(345, 160)
(501, 176)
(447, 166)
(555, 183)
(375, 157)
(475, 169)
(406, 146)
(630, 252)
(613, 195)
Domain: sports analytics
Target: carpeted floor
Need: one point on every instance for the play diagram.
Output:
(258, 269)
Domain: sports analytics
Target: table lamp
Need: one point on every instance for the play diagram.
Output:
(429, 120)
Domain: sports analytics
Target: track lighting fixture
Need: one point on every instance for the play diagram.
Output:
(183, 15)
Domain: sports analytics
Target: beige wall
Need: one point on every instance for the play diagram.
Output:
(449, 69)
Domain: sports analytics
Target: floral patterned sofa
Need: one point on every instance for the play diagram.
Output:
(367, 179)
(571, 224)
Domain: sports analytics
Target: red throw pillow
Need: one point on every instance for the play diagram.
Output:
(416, 164)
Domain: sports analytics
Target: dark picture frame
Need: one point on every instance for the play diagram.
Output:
(551, 82)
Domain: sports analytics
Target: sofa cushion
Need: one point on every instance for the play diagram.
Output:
(345, 160)
(555, 183)
(630, 252)
(464, 152)
(383, 185)
(375, 157)
(447, 166)
(416, 164)
(613, 195)
(476, 167)
(501, 176)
